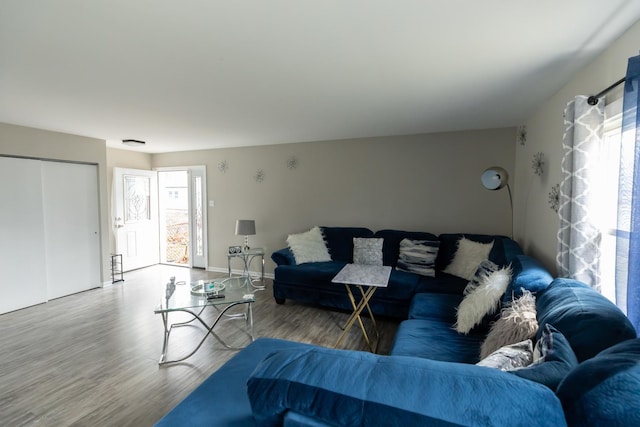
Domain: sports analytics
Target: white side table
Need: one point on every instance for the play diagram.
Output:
(370, 277)
(247, 258)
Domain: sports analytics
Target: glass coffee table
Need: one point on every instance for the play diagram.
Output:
(192, 298)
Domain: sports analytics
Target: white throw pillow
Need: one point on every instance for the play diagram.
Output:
(483, 300)
(468, 257)
(309, 246)
(367, 250)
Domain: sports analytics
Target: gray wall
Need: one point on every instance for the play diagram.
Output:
(41, 144)
(421, 182)
(536, 225)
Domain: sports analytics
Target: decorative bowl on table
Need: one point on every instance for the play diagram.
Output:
(202, 287)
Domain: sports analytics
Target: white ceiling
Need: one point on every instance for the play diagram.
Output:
(195, 74)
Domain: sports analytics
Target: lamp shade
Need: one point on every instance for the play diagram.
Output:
(494, 178)
(245, 227)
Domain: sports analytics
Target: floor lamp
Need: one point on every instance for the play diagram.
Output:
(495, 178)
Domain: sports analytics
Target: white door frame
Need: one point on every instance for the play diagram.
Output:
(138, 233)
(202, 172)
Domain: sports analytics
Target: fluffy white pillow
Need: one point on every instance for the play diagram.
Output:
(483, 300)
(367, 250)
(467, 258)
(309, 246)
(517, 322)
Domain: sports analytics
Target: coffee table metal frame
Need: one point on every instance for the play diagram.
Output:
(362, 276)
(199, 301)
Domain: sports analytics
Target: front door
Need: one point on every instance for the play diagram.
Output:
(135, 199)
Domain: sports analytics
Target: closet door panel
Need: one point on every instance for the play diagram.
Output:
(71, 219)
(22, 249)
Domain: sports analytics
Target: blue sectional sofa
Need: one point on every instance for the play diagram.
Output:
(311, 282)
(276, 382)
(590, 376)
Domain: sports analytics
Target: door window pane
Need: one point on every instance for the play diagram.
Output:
(137, 199)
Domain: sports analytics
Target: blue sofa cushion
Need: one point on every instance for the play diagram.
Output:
(558, 360)
(436, 340)
(442, 283)
(222, 398)
(528, 274)
(435, 306)
(392, 239)
(350, 388)
(311, 274)
(588, 320)
(604, 390)
(340, 241)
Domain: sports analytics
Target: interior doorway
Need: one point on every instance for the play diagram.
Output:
(182, 228)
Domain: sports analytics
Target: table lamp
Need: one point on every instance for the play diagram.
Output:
(246, 228)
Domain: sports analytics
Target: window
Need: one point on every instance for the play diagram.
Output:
(607, 209)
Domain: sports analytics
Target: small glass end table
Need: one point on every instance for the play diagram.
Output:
(192, 298)
(247, 256)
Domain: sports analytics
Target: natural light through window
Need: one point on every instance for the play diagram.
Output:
(607, 209)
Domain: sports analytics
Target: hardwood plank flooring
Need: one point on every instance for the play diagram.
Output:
(91, 359)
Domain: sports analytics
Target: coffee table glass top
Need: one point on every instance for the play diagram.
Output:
(368, 275)
(191, 295)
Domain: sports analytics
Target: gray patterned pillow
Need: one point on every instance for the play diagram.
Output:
(510, 357)
(367, 250)
(418, 256)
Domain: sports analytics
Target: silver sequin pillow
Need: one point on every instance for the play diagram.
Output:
(367, 251)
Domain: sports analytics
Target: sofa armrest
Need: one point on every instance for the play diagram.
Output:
(283, 256)
(346, 388)
(528, 274)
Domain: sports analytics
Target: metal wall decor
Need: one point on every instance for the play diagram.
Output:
(223, 166)
(522, 134)
(259, 175)
(554, 197)
(292, 162)
(537, 163)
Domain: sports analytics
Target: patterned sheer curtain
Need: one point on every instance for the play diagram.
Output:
(628, 228)
(579, 235)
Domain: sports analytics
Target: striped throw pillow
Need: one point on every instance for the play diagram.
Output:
(418, 256)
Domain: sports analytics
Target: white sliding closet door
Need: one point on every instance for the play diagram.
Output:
(71, 223)
(22, 254)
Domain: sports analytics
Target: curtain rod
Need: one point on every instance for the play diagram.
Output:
(593, 99)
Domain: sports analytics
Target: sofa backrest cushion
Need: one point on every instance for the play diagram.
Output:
(589, 321)
(392, 239)
(340, 241)
(604, 390)
(502, 251)
(354, 388)
(527, 274)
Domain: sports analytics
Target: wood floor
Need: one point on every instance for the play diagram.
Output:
(91, 359)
